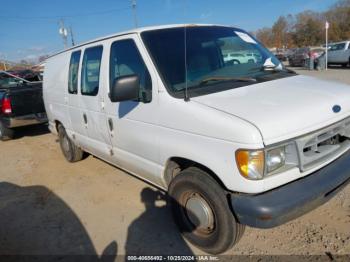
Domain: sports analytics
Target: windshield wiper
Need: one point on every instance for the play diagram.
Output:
(219, 78)
(275, 69)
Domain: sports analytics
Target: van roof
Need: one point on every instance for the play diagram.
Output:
(133, 31)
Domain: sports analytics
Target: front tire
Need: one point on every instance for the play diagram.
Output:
(70, 151)
(202, 212)
(5, 133)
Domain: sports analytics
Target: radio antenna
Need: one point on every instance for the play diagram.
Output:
(186, 97)
(185, 51)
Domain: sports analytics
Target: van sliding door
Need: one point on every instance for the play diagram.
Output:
(93, 117)
(73, 97)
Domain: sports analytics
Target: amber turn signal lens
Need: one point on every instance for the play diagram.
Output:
(250, 163)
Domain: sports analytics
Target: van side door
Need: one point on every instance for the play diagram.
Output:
(133, 124)
(93, 117)
(74, 97)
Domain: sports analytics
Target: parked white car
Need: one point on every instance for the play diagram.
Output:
(339, 53)
(240, 58)
(233, 144)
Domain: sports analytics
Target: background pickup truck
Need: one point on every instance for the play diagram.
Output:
(339, 53)
(21, 103)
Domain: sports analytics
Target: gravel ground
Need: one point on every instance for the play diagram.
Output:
(49, 206)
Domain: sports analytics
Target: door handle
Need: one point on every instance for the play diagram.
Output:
(85, 119)
(110, 124)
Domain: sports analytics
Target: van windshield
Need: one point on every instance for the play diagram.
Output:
(216, 58)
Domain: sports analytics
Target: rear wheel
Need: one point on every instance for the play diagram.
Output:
(70, 151)
(5, 133)
(201, 211)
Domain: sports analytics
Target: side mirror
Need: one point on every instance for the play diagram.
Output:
(125, 88)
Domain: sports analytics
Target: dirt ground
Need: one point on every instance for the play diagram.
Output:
(49, 206)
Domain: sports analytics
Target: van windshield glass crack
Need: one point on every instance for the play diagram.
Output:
(212, 52)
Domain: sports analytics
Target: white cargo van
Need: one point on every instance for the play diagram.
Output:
(233, 144)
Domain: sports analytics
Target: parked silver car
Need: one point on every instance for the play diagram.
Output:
(339, 53)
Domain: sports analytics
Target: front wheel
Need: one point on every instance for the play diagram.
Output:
(5, 133)
(202, 213)
(70, 151)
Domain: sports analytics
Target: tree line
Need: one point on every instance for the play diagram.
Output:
(308, 28)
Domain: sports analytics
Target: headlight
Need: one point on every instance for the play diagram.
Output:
(251, 163)
(275, 159)
(256, 164)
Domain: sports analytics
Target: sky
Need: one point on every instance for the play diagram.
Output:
(30, 28)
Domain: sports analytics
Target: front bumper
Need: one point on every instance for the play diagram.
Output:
(290, 201)
(26, 120)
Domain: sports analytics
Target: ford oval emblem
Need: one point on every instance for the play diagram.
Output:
(336, 108)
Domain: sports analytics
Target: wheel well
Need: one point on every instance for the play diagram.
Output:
(57, 124)
(176, 164)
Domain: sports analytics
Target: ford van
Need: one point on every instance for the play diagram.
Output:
(234, 143)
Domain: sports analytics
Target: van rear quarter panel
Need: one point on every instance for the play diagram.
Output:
(55, 88)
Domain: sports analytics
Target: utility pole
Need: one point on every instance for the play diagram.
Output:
(71, 35)
(133, 5)
(327, 26)
(4, 62)
(63, 32)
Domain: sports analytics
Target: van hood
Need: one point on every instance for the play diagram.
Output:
(284, 108)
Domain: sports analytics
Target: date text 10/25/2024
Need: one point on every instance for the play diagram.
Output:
(173, 258)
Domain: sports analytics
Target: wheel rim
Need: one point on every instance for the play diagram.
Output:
(199, 214)
(65, 143)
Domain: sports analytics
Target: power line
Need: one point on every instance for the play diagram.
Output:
(64, 16)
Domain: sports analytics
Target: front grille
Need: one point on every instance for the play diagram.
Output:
(317, 147)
